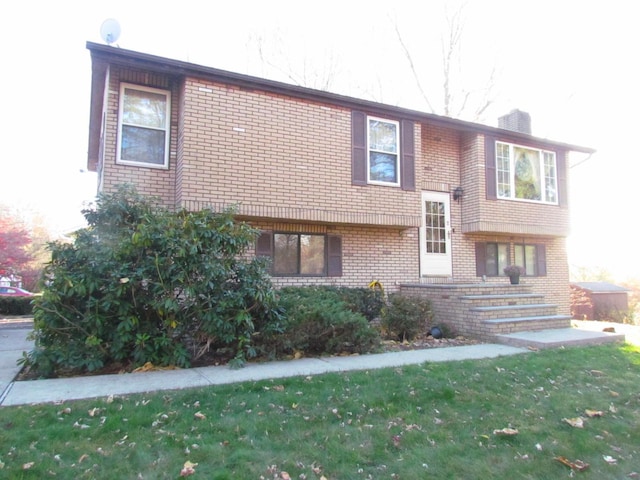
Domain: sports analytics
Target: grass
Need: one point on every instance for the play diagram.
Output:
(428, 421)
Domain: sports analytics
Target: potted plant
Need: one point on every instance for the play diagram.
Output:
(514, 272)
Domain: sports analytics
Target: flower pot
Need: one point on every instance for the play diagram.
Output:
(515, 279)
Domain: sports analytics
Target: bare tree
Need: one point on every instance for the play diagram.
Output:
(304, 74)
(456, 99)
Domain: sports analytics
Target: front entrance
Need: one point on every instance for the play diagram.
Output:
(435, 235)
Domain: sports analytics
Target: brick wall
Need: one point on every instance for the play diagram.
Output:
(289, 159)
(156, 182)
(285, 156)
(368, 253)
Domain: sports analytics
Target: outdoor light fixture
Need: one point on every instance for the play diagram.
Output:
(458, 193)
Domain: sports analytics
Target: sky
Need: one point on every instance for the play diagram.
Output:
(572, 65)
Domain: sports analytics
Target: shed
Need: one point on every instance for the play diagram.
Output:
(599, 301)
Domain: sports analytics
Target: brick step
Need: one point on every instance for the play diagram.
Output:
(483, 313)
(496, 326)
(502, 299)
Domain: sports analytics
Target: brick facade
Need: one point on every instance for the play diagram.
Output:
(282, 155)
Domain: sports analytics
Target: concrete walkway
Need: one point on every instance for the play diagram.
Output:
(13, 342)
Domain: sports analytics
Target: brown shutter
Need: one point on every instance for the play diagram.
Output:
(264, 244)
(334, 249)
(561, 165)
(481, 259)
(358, 148)
(490, 168)
(541, 259)
(407, 162)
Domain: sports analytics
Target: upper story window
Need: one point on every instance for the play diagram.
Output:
(526, 173)
(143, 129)
(382, 151)
(383, 143)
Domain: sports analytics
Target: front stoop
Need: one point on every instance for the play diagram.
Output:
(558, 337)
(513, 315)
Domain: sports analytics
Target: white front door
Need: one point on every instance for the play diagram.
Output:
(435, 235)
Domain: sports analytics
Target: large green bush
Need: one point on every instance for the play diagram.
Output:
(316, 320)
(406, 316)
(143, 284)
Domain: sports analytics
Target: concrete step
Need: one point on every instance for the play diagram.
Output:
(558, 337)
(497, 326)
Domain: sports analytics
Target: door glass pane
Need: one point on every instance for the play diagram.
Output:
(436, 235)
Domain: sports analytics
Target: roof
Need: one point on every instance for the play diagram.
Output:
(600, 287)
(103, 55)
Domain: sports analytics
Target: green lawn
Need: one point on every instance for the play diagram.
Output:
(429, 421)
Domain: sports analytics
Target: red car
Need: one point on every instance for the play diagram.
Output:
(14, 292)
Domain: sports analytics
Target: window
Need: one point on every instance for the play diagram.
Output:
(143, 138)
(528, 256)
(294, 254)
(383, 151)
(526, 173)
(491, 258)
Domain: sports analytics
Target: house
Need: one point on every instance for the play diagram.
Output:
(344, 190)
(599, 301)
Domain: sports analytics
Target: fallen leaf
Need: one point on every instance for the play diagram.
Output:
(506, 431)
(578, 465)
(593, 413)
(596, 373)
(83, 458)
(200, 415)
(285, 476)
(188, 469)
(93, 412)
(577, 422)
(27, 466)
(610, 460)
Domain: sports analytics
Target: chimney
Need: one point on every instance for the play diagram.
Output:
(516, 121)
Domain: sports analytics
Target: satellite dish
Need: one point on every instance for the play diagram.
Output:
(110, 30)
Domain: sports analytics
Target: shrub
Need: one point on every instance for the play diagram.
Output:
(405, 317)
(317, 320)
(16, 305)
(143, 284)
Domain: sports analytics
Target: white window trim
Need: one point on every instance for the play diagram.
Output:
(377, 182)
(512, 184)
(167, 129)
